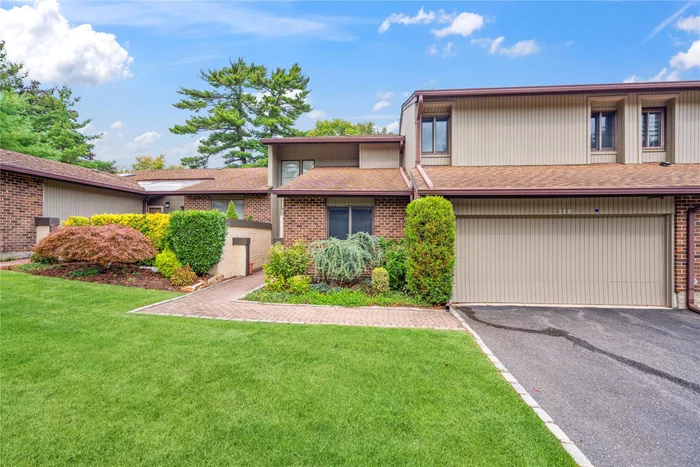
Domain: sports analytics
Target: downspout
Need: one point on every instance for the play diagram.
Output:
(419, 115)
(690, 255)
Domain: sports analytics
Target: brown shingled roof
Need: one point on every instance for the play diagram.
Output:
(347, 181)
(15, 162)
(562, 180)
(248, 180)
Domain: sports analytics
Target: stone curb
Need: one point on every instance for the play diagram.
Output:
(565, 441)
(371, 307)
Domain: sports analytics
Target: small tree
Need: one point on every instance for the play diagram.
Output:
(430, 241)
(231, 211)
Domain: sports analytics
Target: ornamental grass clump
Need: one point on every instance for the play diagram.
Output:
(430, 241)
(104, 245)
(345, 260)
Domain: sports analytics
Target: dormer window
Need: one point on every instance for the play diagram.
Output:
(434, 135)
(653, 128)
(603, 131)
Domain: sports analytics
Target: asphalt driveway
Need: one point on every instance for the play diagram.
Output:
(624, 384)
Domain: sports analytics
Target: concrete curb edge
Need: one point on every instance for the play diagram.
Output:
(565, 441)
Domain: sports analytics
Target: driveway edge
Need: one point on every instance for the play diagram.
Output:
(565, 441)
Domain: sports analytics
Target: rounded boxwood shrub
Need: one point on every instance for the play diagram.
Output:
(430, 241)
(102, 245)
(166, 262)
(380, 280)
(197, 238)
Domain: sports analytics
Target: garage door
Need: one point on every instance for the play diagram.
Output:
(587, 260)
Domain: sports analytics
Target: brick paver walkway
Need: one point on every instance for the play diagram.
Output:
(221, 302)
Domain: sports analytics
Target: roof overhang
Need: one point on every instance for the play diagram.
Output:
(335, 139)
(559, 192)
(265, 191)
(66, 178)
(284, 193)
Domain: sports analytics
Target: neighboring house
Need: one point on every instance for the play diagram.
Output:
(563, 194)
(33, 188)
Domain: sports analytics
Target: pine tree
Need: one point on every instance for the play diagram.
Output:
(231, 211)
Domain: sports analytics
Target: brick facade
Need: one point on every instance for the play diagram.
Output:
(680, 260)
(197, 203)
(305, 218)
(390, 217)
(22, 201)
(257, 206)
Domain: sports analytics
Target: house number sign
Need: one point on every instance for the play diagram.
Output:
(564, 210)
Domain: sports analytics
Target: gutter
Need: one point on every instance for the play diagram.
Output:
(66, 178)
(339, 193)
(425, 177)
(419, 114)
(690, 255)
(556, 192)
(405, 178)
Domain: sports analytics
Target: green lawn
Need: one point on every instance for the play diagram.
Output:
(84, 382)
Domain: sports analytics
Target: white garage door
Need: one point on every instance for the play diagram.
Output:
(588, 260)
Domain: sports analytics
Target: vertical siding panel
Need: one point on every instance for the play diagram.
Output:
(379, 156)
(688, 128)
(63, 200)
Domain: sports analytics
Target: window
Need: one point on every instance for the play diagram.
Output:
(290, 171)
(344, 221)
(434, 135)
(653, 128)
(221, 205)
(603, 131)
(306, 166)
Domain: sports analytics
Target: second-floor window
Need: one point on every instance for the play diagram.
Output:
(290, 169)
(434, 135)
(653, 128)
(602, 131)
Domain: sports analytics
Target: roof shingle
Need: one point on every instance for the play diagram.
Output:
(347, 181)
(248, 180)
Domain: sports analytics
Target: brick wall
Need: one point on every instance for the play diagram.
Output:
(22, 201)
(257, 206)
(304, 218)
(681, 241)
(197, 203)
(390, 217)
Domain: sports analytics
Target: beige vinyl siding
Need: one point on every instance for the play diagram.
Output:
(379, 156)
(273, 175)
(408, 130)
(323, 155)
(520, 130)
(688, 128)
(435, 159)
(551, 206)
(601, 260)
(63, 200)
(349, 201)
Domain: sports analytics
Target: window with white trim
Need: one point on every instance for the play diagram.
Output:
(603, 131)
(434, 132)
(349, 220)
(653, 128)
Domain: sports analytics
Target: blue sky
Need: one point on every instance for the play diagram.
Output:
(127, 59)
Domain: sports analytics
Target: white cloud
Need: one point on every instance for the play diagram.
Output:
(569, 43)
(448, 50)
(380, 105)
(518, 49)
(689, 24)
(661, 26)
(117, 124)
(432, 50)
(463, 24)
(86, 129)
(316, 114)
(52, 50)
(400, 18)
(406, 93)
(392, 127)
(144, 141)
(663, 75)
(385, 95)
(689, 59)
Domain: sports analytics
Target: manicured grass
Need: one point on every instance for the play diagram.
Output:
(341, 297)
(84, 382)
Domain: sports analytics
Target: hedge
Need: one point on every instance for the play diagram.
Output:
(197, 238)
(430, 242)
(154, 226)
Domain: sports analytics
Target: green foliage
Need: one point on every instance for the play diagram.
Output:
(166, 262)
(395, 260)
(76, 221)
(84, 272)
(154, 226)
(249, 217)
(340, 127)
(345, 260)
(231, 211)
(336, 296)
(242, 103)
(298, 284)
(183, 276)
(34, 266)
(430, 241)
(380, 280)
(152, 163)
(42, 259)
(43, 122)
(285, 263)
(197, 238)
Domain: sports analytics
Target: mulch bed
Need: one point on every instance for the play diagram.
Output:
(129, 276)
